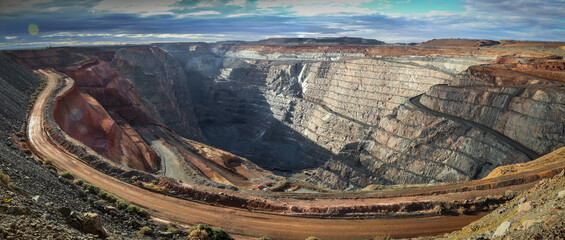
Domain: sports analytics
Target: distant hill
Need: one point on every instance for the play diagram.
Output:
(319, 41)
(452, 42)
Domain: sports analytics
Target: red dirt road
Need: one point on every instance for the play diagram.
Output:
(235, 221)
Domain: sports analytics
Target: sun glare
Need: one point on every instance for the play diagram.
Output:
(33, 29)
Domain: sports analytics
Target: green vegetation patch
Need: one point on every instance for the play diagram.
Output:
(5, 178)
(145, 230)
(205, 232)
(67, 175)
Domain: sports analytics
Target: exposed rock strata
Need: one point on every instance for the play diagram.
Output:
(531, 114)
(84, 119)
(334, 102)
(412, 147)
(101, 116)
(342, 111)
(162, 81)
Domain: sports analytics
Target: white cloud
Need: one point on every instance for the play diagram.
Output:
(69, 34)
(201, 13)
(289, 3)
(303, 10)
(10, 37)
(317, 7)
(524, 8)
(56, 43)
(142, 7)
(137, 35)
(203, 4)
(273, 36)
(240, 15)
(240, 3)
(172, 35)
(26, 6)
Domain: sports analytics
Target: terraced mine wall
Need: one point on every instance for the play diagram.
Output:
(534, 104)
(343, 115)
(337, 117)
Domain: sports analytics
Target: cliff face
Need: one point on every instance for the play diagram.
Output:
(400, 144)
(525, 108)
(82, 113)
(111, 89)
(162, 81)
(254, 108)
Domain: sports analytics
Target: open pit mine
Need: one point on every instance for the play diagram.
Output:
(291, 138)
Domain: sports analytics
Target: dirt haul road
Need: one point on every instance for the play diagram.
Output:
(236, 221)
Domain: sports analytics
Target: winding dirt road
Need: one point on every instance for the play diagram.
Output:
(236, 221)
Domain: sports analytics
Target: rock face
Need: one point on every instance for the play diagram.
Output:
(532, 114)
(84, 116)
(350, 117)
(111, 89)
(162, 81)
(337, 116)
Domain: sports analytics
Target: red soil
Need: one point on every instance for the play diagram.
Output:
(552, 70)
(84, 116)
(513, 43)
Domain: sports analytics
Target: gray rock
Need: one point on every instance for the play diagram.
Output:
(501, 230)
(47, 216)
(561, 194)
(65, 211)
(76, 215)
(39, 199)
(109, 208)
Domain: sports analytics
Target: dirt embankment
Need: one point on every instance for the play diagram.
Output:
(83, 117)
(387, 200)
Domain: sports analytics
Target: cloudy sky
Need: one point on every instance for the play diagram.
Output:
(40, 23)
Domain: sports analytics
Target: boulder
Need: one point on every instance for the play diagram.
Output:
(92, 224)
(65, 211)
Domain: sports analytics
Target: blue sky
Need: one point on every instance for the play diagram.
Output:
(40, 23)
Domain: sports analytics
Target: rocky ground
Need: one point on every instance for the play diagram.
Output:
(535, 214)
(44, 205)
